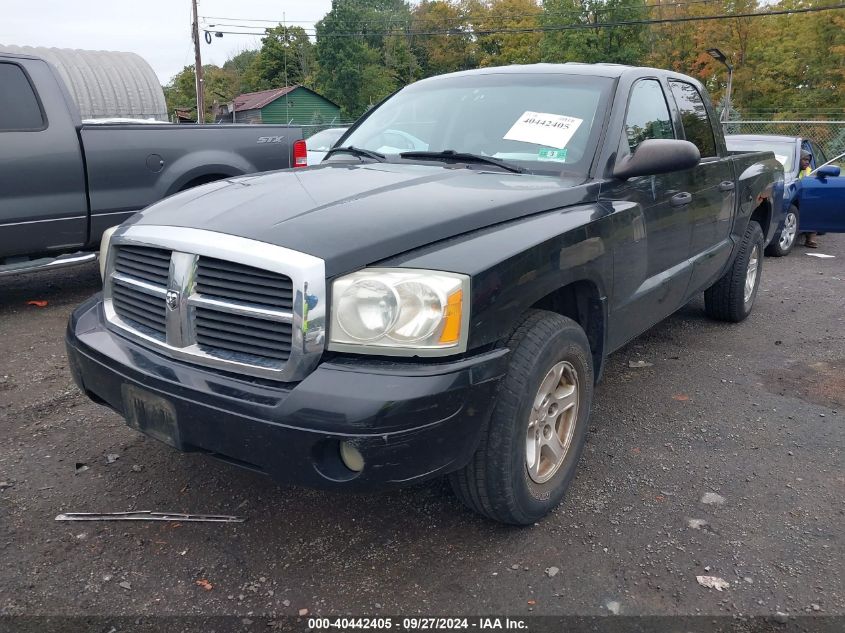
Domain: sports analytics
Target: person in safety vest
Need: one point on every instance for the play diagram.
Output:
(806, 170)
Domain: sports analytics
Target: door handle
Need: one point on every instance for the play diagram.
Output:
(680, 199)
(726, 185)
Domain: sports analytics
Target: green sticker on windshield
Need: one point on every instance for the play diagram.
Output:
(552, 154)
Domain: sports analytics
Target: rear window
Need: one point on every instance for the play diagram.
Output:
(697, 127)
(19, 107)
(784, 151)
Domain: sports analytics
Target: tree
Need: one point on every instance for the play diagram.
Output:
(286, 58)
(438, 54)
(220, 86)
(619, 44)
(239, 66)
(519, 44)
(362, 52)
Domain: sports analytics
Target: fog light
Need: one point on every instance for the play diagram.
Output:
(351, 457)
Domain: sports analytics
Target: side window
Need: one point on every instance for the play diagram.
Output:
(648, 115)
(821, 159)
(19, 107)
(697, 126)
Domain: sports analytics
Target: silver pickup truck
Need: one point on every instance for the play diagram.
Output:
(62, 182)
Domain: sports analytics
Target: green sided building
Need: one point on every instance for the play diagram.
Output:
(292, 105)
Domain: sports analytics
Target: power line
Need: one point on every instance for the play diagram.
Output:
(567, 27)
(463, 18)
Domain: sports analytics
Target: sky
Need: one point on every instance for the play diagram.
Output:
(158, 30)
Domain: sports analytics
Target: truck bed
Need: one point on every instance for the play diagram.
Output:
(130, 166)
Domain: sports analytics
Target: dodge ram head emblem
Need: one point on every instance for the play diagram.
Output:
(172, 298)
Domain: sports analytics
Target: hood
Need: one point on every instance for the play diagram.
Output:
(353, 215)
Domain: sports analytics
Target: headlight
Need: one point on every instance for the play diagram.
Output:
(104, 250)
(400, 312)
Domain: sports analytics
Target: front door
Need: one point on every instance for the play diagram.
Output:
(43, 205)
(652, 219)
(822, 202)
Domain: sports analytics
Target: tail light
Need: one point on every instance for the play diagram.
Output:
(300, 154)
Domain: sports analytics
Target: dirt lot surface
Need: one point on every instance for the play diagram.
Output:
(751, 412)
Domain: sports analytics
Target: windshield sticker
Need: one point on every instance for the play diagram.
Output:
(540, 128)
(781, 159)
(558, 155)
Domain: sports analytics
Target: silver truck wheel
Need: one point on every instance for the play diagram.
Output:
(551, 424)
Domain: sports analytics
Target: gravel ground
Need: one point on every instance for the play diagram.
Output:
(751, 412)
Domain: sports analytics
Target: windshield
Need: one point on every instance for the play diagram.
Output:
(323, 141)
(544, 123)
(784, 151)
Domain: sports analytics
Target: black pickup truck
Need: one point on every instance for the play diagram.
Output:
(62, 182)
(397, 314)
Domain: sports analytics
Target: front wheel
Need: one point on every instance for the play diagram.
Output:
(732, 297)
(529, 452)
(784, 242)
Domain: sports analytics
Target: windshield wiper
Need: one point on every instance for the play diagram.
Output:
(357, 151)
(463, 157)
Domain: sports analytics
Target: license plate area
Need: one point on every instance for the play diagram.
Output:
(151, 414)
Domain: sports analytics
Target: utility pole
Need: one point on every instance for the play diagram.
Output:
(198, 65)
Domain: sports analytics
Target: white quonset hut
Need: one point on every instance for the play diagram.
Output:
(105, 84)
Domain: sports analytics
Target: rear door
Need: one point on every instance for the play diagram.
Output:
(711, 185)
(43, 204)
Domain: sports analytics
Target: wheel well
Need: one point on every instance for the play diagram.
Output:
(763, 216)
(581, 302)
(202, 180)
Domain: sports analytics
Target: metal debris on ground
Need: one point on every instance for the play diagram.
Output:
(713, 582)
(551, 572)
(820, 255)
(635, 364)
(146, 515)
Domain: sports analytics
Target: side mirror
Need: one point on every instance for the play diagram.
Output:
(657, 156)
(828, 171)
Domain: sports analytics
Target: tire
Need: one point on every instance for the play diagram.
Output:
(731, 298)
(785, 240)
(499, 482)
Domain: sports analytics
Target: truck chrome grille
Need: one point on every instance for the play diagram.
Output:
(134, 302)
(228, 281)
(218, 332)
(221, 301)
(149, 264)
(142, 309)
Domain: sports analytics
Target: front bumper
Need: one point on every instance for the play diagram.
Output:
(409, 421)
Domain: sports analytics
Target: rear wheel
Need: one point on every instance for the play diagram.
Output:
(784, 241)
(732, 297)
(529, 453)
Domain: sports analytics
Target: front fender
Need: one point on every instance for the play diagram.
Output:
(516, 264)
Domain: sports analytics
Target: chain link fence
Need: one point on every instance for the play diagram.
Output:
(830, 135)
(310, 130)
